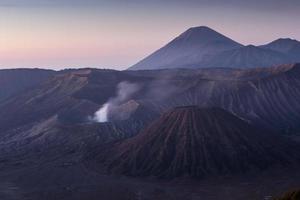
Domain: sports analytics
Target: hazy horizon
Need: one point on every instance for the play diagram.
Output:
(117, 34)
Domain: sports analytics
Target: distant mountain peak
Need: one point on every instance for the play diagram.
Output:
(288, 46)
(286, 40)
(200, 29)
(190, 47)
(202, 34)
(282, 42)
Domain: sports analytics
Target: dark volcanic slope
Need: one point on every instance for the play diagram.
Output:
(197, 142)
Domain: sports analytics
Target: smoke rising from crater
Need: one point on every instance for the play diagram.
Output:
(125, 91)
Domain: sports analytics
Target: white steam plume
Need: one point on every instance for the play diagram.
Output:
(101, 114)
(125, 91)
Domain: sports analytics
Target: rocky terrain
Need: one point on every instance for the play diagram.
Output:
(267, 98)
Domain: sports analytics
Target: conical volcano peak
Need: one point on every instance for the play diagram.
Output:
(188, 49)
(196, 142)
(201, 29)
(204, 28)
(202, 33)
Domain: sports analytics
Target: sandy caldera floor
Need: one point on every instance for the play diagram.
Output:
(56, 179)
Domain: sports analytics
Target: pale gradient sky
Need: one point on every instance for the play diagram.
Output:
(117, 33)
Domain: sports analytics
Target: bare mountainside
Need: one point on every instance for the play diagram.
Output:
(197, 142)
(49, 130)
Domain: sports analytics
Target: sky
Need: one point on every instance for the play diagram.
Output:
(116, 34)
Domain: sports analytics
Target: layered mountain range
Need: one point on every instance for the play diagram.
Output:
(202, 47)
(265, 97)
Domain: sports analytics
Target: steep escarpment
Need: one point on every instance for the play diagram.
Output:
(197, 142)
